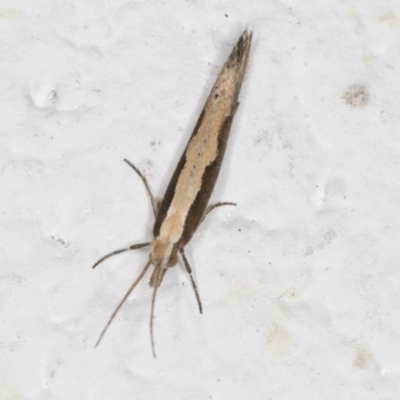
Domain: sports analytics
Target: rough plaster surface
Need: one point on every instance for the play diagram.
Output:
(300, 282)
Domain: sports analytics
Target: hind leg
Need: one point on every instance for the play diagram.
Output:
(215, 205)
(154, 202)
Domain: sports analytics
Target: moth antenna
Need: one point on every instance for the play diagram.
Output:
(113, 253)
(157, 282)
(144, 180)
(153, 300)
(121, 303)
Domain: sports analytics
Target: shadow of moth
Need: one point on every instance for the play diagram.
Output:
(185, 203)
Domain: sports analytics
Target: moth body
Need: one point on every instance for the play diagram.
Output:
(184, 205)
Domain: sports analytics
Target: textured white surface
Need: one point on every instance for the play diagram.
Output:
(300, 283)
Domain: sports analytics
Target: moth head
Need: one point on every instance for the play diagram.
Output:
(163, 254)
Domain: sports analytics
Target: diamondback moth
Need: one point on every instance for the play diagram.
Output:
(185, 203)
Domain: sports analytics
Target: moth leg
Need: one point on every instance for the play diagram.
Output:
(215, 205)
(189, 270)
(133, 247)
(154, 202)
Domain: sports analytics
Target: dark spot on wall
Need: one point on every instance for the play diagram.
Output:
(356, 96)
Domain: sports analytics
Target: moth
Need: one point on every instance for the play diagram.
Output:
(185, 203)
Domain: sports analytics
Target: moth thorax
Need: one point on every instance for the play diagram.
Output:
(163, 254)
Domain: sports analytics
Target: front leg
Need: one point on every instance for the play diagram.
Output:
(113, 253)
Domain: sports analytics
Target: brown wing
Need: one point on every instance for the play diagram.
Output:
(229, 81)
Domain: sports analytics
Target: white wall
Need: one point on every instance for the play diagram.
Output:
(300, 283)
